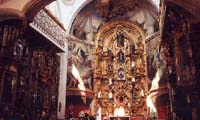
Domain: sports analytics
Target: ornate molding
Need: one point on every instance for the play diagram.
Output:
(50, 28)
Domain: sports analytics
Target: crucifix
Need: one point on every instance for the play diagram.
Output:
(35, 96)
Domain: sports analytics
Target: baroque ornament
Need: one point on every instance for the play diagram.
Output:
(117, 46)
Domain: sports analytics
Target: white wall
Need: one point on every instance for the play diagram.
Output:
(67, 13)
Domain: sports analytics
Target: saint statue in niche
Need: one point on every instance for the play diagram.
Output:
(110, 67)
(132, 49)
(121, 58)
(121, 74)
(18, 48)
(120, 39)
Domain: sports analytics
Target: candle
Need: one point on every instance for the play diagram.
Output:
(133, 64)
(110, 81)
(133, 79)
(99, 94)
(110, 95)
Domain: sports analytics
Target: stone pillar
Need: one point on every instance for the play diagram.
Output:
(62, 85)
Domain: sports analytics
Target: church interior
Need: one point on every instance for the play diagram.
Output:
(99, 60)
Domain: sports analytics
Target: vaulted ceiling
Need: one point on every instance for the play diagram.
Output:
(192, 6)
(19, 9)
(22, 8)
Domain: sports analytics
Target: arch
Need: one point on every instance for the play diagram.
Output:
(190, 6)
(8, 13)
(29, 10)
(147, 5)
(106, 31)
(75, 14)
(33, 7)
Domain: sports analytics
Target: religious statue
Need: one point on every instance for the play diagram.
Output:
(120, 39)
(121, 58)
(18, 48)
(110, 67)
(132, 49)
(121, 74)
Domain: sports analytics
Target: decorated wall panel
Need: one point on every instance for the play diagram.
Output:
(178, 47)
(29, 73)
(50, 28)
(11, 45)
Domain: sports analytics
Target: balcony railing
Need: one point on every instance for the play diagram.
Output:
(47, 25)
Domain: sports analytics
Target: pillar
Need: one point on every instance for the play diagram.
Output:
(62, 85)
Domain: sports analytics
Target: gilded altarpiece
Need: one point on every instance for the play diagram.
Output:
(120, 69)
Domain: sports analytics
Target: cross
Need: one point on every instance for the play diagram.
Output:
(35, 96)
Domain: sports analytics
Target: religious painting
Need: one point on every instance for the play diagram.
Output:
(83, 27)
(155, 59)
(80, 67)
(8, 87)
(151, 57)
